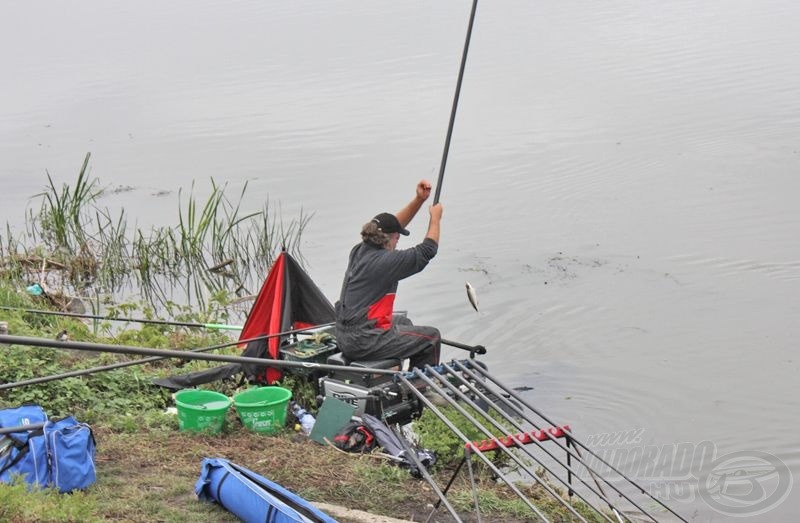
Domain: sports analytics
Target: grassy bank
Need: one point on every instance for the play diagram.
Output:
(147, 468)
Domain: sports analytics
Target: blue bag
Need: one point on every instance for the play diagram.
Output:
(57, 454)
(20, 417)
(71, 448)
(23, 452)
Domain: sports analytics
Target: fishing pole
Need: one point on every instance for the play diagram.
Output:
(455, 103)
(514, 420)
(218, 326)
(183, 355)
(85, 372)
(479, 349)
(498, 473)
(21, 428)
(535, 475)
(521, 401)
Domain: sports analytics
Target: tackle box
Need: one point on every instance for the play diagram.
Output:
(307, 351)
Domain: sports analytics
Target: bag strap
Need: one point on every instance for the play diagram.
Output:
(16, 459)
(22, 448)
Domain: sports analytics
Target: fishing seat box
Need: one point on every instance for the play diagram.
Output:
(361, 378)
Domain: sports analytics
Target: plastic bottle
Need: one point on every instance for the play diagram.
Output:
(305, 419)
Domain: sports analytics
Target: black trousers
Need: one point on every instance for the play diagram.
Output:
(420, 344)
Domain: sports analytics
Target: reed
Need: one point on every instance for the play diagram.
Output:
(217, 250)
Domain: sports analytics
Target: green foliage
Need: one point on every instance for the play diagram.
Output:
(102, 395)
(135, 421)
(90, 397)
(303, 391)
(62, 217)
(146, 335)
(10, 297)
(435, 435)
(491, 502)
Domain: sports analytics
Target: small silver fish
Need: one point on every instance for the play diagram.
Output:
(473, 298)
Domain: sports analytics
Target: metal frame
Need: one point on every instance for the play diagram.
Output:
(465, 383)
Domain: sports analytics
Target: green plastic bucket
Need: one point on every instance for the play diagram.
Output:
(201, 410)
(263, 409)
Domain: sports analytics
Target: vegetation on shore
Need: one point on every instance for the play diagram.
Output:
(146, 467)
(77, 247)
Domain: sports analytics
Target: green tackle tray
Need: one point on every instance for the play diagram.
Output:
(307, 351)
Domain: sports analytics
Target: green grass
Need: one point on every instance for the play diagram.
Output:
(19, 503)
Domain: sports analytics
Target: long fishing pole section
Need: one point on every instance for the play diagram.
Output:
(456, 96)
(217, 326)
(529, 411)
(123, 364)
(181, 354)
(477, 349)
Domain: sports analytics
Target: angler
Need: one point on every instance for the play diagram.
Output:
(366, 326)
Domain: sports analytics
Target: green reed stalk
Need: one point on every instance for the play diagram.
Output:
(101, 253)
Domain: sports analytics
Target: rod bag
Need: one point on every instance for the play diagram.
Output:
(251, 497)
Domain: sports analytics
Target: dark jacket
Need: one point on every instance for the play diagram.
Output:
(370, 283)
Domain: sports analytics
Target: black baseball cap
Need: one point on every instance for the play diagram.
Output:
(388, 223)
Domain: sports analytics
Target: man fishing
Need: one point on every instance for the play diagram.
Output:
(366, 328)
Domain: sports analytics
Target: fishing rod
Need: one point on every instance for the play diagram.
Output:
(183, 355)
(455, 430)
(93, 370)
(21, 428)
(535, 475)
(455, 103)
(218, 326)
(461, 385)
(513, 415)
(479, 349)
(476, 370)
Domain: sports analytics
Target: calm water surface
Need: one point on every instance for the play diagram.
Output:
(621, 188)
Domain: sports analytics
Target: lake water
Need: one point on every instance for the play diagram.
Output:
(621, 187)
